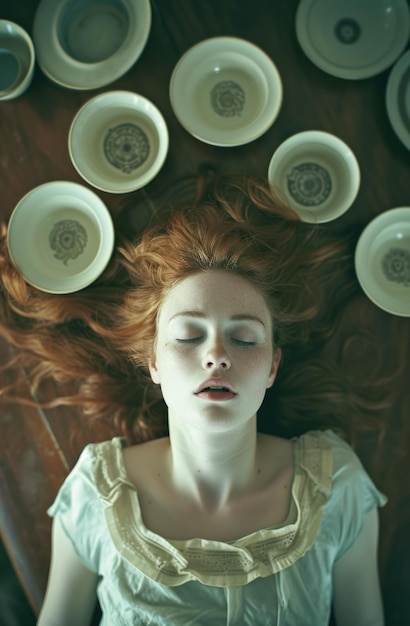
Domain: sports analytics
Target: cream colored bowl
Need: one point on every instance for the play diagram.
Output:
(17, 57)
(317, 173)
(398, 98)
(61, 237)
(226, 91)
(86, 44)
(382, 261)
(118, 141)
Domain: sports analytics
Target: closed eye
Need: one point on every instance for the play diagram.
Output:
(241, 342)
(190, 340)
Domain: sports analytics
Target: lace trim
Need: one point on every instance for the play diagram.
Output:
(215, 563)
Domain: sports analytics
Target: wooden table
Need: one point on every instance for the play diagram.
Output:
(38, 448)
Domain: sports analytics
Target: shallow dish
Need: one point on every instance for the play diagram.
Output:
(226, 91)
(352, 39)
(86, 44)
(398, 98)
(61, 237)
(317, 173)
(118, 141)
(382, 261)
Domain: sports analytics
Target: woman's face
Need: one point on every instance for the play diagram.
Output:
(213, 352)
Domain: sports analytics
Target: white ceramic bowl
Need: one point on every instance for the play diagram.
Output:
(398, 98)
(317, 173)
(61, 237)
(17, 57)
(353, 39)
(226, 91)
(86, 44)
(382, 261)
(118, 141)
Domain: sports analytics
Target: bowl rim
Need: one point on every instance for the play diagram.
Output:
(19, 30)
(367, 71)
(400, 70)
(160, 126)
(106, 226)
(374, 227)
(73, 74)
(322, 138)
(254, 53)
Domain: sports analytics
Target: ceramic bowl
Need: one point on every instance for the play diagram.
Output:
(17, 58)
(351, 39)
(398, 98)
(61, 237)
(86, 44)
(382, 261)
(118, 141)
(226, 91)
(317, 173)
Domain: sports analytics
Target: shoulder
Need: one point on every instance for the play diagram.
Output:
(347, 471)
(323, 455)
(333, 465)
(154, 448)
(350, 481)
(344, 457)
(352, 495)
(319, 445)
(96, 453)
(96, 470)
(144, 460)
(80, 502)
(333, 491)
(276, 453)
(275, 447)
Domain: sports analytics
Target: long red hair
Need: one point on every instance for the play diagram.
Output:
(99, 340)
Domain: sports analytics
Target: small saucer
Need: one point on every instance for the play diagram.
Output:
(87, 44)
(352, 39)
(382, 261)
(60, 236)
(225, 91)
(398, 98)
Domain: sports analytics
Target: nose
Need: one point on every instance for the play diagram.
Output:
(216, 356)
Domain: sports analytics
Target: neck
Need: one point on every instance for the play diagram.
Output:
(212, 468)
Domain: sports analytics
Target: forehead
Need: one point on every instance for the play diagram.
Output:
(214, 292)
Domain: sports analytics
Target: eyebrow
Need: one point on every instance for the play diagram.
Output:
(238, 317)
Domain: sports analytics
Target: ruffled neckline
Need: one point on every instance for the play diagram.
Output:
(215, 563)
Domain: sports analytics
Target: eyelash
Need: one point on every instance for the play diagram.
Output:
(193, 340)
(243, 343)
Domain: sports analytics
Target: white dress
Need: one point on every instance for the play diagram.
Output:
(278, 576)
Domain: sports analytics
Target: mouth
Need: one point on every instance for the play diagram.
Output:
(215, 390)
